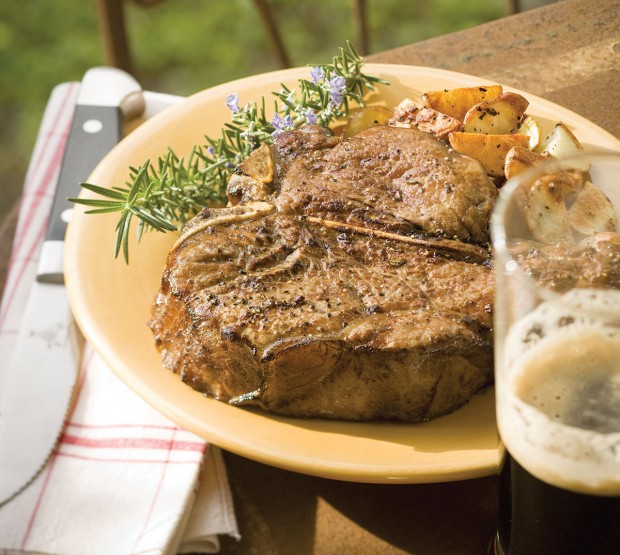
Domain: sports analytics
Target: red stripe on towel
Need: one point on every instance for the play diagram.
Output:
(112, 426)
(132, 443)
(130, 461)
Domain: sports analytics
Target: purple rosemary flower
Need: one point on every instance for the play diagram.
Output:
(232, 101)
(317, 74)
(311, 117)
(336, 87)
(210, 151)
(281, 124)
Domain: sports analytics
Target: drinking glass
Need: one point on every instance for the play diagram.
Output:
(557, 358)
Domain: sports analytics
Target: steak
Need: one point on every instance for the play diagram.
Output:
(346, 279)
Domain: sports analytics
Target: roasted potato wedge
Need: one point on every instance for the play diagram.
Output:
(489, 150)
(365, 118)
(562, 143)
(545, 211)
(456, 102)
(413, 114)
(530, 127)
(559, 204)
(571, 183)
(520, 158)
(496, 116)
(592, 212)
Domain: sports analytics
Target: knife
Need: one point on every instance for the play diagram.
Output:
(41, 375)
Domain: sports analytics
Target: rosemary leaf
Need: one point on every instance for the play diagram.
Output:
(165, 195)
(103, 191)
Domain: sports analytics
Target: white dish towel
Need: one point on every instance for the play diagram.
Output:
(123, 479)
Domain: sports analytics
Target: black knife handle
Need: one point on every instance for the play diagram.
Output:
(94, 131)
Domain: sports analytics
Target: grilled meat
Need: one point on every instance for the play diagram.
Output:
(349, 281)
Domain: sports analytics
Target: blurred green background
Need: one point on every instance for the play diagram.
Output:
(183, 46)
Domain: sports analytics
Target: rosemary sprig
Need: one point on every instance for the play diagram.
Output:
(164, 195)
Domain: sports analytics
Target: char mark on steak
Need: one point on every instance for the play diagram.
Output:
(352, 285)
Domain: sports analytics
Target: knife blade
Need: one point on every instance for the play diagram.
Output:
(42, 373)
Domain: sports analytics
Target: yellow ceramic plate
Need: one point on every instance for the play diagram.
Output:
(111, 302)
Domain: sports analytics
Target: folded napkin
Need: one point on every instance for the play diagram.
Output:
(122, 479)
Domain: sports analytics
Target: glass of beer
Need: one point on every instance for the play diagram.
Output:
(556, 243)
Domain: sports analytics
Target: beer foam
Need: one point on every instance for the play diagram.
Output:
(559, 392)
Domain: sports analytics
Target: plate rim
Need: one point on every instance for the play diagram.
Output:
(488, 461)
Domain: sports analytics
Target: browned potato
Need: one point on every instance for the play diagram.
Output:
(530, 127)
(592, 212)
(519, 159)
(545, 211)
(562, 143)
(413, 114)
(497, 116)
(489, 150)
(559, 203)
(456, 102)
(364, 118)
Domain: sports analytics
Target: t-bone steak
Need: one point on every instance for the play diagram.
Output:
(346, 279)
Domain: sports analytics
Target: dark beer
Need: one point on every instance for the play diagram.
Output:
(559, 418)
(544, 519)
